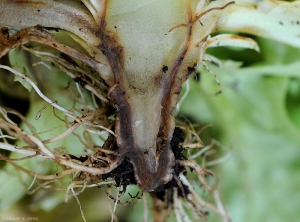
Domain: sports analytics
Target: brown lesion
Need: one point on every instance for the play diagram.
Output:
(165, 80)
(124, 132)
(148, 179)
(114, 52)
(158, 80)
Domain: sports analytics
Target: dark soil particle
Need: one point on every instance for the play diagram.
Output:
(165, 69)
(81, 158)
(123, 174)
(168, 188)
(81, 82)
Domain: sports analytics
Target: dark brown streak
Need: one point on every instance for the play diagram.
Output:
(166, 112)
(117, 96)
(103, 23)
(164, 147)
(114, 52)
(111, 48)
(115, 55)
(169, 84)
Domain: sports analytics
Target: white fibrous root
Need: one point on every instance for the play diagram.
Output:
(111, 72)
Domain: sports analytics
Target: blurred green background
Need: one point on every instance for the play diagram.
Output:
(258, 114)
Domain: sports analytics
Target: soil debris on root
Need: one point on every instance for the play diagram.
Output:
(167, 189)
(124, 173)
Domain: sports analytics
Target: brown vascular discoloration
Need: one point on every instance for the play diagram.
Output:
(171, 86)
(158, 80)
(123, 120)
(127, 148)
(115, 54)
(111, 48)
(148, 179)
(125, 140)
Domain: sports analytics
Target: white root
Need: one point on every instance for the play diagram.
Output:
(71, 187)
(80, 93)
(201, 204)
(176, 207)
(220, 206)
(38, 91)
(64, 66)
(8, 137)
(42, 177)
(81, 211)
(89, 123)
(4, 114)
(193, 164)
(180, 213)
(35, 176)
(202, 151)
(187, 130)
(187, 90)
(111, 182)
(115, 205)
(41, 147)
(12, 148)
(145, 202)
(93, 171)
(64, 134)
(221, 159)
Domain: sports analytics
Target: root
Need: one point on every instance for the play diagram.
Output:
(115, 205)
(145, 202)
(198, 17)
(193, 165)
(85, 170)
(37, 89)
(81, 211)
(102, 166)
